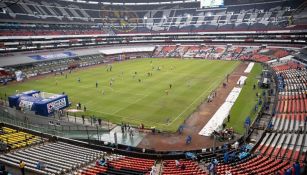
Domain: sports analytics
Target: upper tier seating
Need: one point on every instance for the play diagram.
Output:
(221, 52)
(185, 17)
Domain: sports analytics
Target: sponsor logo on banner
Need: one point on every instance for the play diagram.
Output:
(56, 105)
(25, 104)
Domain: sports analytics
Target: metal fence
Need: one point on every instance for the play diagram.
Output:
(69, 131)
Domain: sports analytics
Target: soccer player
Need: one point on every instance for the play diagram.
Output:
(170, 86)
(79, 80)
(111, 83)
(96, 84)
(166, 92)
(140, 80)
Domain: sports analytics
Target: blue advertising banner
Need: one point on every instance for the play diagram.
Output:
(53, 56)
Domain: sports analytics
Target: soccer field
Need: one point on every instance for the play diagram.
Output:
(151, 101)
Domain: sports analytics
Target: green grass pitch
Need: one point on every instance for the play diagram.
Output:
(129, 100)
(244, 106)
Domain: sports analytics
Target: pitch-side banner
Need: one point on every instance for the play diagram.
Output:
(53, 56)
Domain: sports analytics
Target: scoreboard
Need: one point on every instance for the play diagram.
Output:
(211, 3)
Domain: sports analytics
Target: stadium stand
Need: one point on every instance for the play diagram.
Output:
(17, 139)
(285, 142)
(186, 18)
(117, 164)
(58, 157)
(185, 167)
(77, 26)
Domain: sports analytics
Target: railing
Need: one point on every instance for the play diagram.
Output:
(74, 131)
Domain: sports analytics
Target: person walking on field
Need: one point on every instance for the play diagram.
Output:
(166, 92)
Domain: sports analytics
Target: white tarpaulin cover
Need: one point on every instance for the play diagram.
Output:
(217, 119)
(233, 95)
(241, 80)
(120, 50)
(249, 68)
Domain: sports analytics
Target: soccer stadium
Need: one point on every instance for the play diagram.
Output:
(163, 87)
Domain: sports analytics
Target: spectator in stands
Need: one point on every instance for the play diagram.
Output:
(22, 167)
(182, 167)
(211, 168)
(288, 171)
(153, 170)
(102, 162)
(236, 145)
(297, 168)
(215, 162)
(270, 126)
(177, 163)
(41, 165)
(301, 127)
(2, 170)
(38, 165)
(228, 173)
